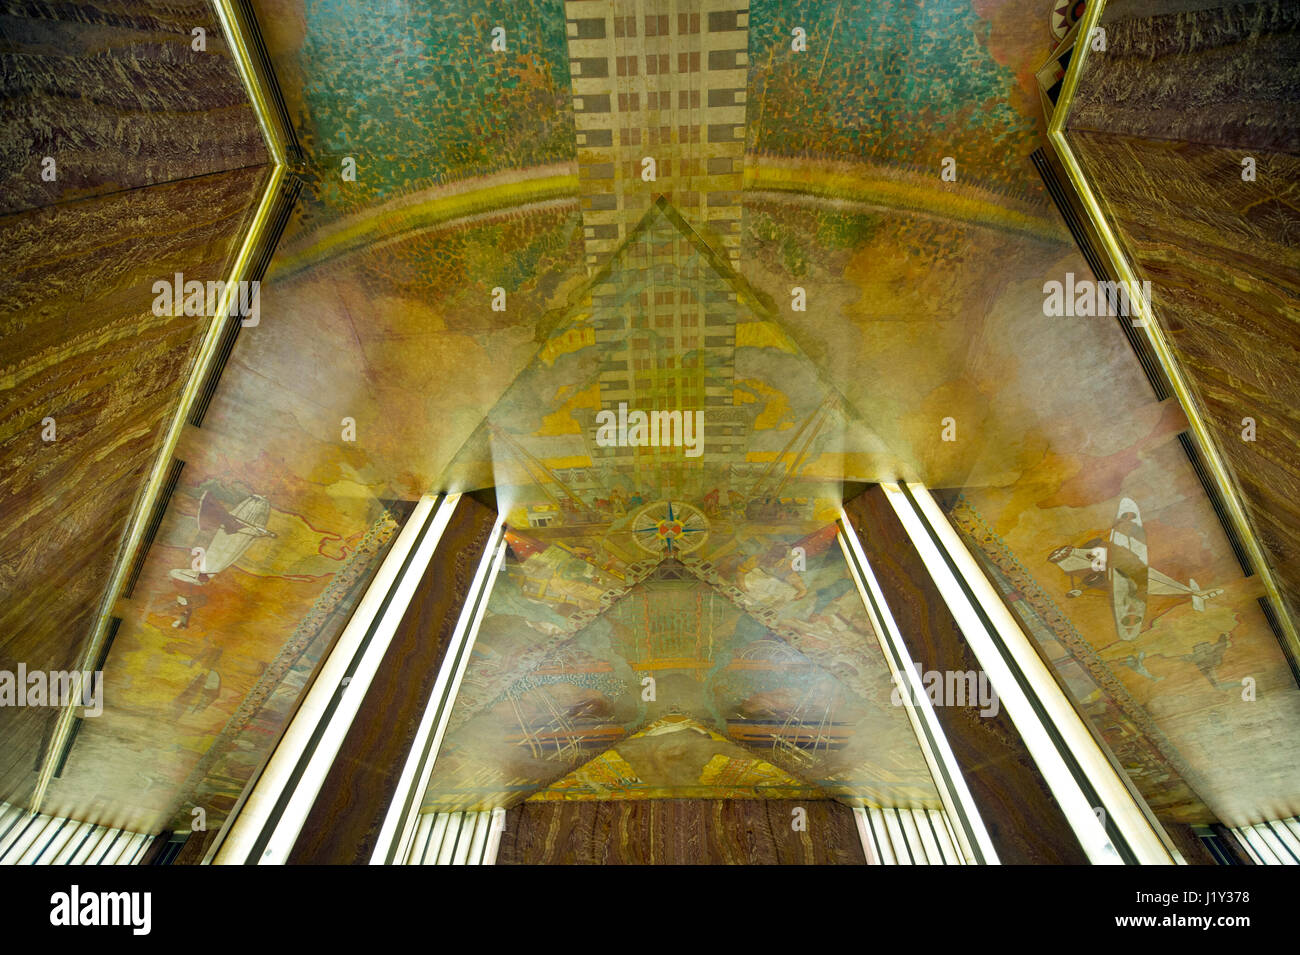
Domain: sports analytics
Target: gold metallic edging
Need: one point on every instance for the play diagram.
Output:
(145, 503)
(1223, 478)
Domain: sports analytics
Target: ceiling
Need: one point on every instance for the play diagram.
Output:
(516, 179)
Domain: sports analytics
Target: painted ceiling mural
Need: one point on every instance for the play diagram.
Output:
(675, 690)
(501, 290)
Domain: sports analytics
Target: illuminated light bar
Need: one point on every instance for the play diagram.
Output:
(402, 818)
(971, 836)
(895, 836)
(32, 839)
(1276, 842)
(265, 828)
(1077, 770)
(457, 838)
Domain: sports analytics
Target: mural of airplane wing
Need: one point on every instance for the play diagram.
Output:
(1119, 567)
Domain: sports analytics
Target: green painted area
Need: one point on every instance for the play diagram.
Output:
(899, 82)
(414, 92)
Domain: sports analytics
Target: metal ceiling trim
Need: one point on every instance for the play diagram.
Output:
(1155, 334)
(239, 41)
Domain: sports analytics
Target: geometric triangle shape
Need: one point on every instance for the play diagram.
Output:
(677, 757)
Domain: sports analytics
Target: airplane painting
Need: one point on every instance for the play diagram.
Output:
(233, 532)
(1117, 566)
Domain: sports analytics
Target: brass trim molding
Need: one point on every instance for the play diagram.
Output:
(1155, 334)
(237, 39)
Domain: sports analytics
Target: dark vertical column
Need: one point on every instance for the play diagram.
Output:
(345, 820)
(1022, 817)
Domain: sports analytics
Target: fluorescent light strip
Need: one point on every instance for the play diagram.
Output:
(422, 833)
(881, 834)
(1280, 850)
(928, 844)
(430, 856)
(944, 836)
(498, 826)
(481, 826)
(27, 839)
(404, 811)
(1126, 811)
(864, 835)
(1051, 762)
(913, 836)
(972, 836)
(894, 826)
(1259, 848)
(105, 846)
(12, 821)
(448, 849)
(73, 843)
(329, 706)
(894, 836)
(340, 721)
(44, 833)
(457, 838)
(82, 852)
(1288, 830)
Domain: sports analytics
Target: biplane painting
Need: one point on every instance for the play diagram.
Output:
(498, 274)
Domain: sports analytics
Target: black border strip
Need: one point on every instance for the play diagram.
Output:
(67, 746)
(265, 68)
(1193, 452)
(278, 219)
(151, 529)
(291, 785)
(1270, 614)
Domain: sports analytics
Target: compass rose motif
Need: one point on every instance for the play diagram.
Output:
(667, 526)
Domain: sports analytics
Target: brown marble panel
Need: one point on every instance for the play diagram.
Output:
(1215, 72)
(346, 817)
(680, 832)
(115, 92)
(79, 344)
(1023, 819)
(1221, 256)
(1161, 123)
